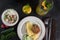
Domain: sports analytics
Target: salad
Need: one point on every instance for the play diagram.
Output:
(9, 17)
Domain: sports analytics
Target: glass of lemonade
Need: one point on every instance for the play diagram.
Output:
(44, 7)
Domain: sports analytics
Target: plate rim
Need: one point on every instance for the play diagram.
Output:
(43, 34)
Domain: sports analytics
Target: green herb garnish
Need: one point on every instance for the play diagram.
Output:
(12, 34)
(7, 31)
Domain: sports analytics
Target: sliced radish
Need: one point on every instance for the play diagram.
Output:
(4, 26)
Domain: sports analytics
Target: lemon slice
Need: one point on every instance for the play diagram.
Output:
(27, 9)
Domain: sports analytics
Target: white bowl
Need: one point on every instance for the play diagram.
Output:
(8, 24)
(33, 20)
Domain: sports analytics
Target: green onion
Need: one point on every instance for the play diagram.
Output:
(12, 34)
(7, 31)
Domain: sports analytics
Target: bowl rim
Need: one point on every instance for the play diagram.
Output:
(2, 17)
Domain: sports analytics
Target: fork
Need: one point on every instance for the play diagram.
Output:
(46, 21)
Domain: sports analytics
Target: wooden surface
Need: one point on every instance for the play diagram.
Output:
(6, 4)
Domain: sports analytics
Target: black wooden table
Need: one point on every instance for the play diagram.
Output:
(6, 4)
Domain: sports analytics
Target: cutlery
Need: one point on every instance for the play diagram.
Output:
(50, 25)
(46, 21)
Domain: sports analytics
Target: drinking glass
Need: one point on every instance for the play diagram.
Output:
(44, 7)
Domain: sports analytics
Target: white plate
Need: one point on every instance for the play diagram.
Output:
(33, 20)
(12, 11)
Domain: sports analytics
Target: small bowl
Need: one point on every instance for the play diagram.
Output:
(14, 12)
